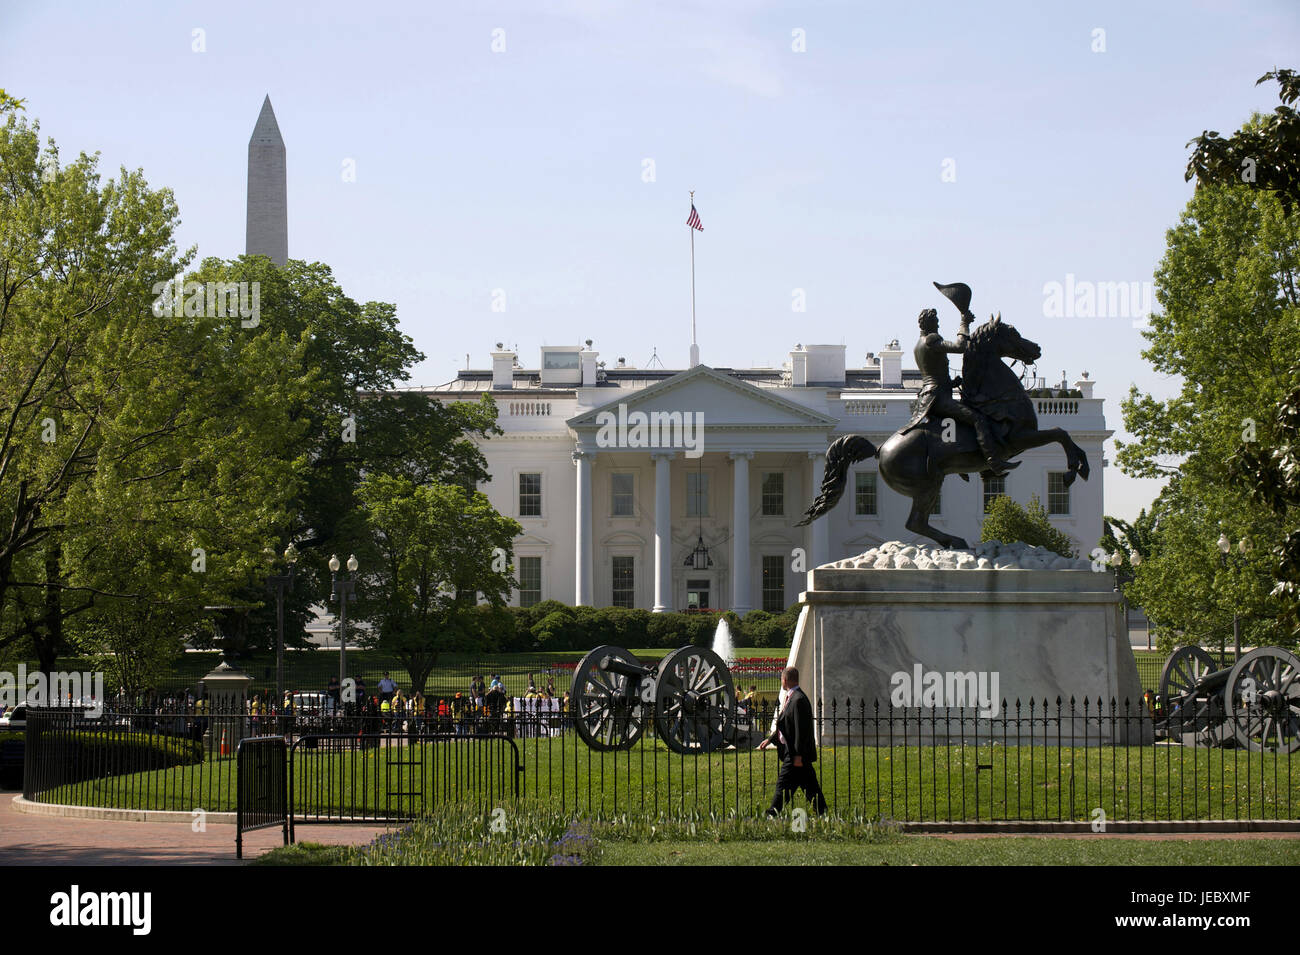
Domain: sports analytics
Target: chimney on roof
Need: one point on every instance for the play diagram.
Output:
(1084, 384)
(587, 359)
(503, 368)
(798, 367)
(891, 366)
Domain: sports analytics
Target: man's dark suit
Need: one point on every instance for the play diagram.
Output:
(795, 723)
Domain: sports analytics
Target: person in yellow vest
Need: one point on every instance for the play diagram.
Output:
(386, 712)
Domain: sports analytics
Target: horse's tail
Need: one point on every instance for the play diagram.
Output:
(844, 451)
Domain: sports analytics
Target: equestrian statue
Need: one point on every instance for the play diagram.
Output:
(993, 422)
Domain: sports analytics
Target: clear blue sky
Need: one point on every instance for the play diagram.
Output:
(821, 170)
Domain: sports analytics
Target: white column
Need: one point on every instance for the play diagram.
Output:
(663, 531)
(818, 530)
(582, 542)
(740, 569)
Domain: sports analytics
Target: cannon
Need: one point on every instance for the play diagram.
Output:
(1254, 704)
(689, 694)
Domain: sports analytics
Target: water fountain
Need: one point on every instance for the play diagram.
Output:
(722, 645)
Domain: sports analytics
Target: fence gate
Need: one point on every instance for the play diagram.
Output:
(387, 777)
(261, 799)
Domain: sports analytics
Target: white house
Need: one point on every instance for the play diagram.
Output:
(618, 475)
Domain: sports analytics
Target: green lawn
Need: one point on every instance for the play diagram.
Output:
(904, 783)
(545, 836)
(934, 850)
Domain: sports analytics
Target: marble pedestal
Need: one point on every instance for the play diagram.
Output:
(865, 634)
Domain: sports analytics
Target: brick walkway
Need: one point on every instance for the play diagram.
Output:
(51, 840)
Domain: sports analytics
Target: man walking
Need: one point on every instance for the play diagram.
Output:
(793, 738)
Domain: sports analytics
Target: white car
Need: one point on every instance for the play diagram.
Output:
(15, 718)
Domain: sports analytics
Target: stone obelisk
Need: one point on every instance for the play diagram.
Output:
(268, 205)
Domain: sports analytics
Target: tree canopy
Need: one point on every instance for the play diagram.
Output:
(1227, 333)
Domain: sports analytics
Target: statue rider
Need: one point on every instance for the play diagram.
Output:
(935, 398)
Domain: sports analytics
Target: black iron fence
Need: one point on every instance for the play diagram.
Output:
(385, 773)
(263, 787)
(1038, 761)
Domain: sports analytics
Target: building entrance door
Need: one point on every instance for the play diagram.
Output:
(697, 595)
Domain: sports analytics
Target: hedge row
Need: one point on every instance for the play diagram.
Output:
(72, 756)
(551, 625)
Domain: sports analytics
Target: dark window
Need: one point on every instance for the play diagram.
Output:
(624, 582)
(774, 494)
(1058, 495)
(994, 487)
(697, 494)
(773, 583)
(530, 495)
(530, 581)
(620, 491)
(864, 493)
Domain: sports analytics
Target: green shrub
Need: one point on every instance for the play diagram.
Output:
(88, 754)
(1008, 522)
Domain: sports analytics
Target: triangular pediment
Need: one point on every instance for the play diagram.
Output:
(725, 402)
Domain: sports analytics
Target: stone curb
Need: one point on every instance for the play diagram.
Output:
(116, 815)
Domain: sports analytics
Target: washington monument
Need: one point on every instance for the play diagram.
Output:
(268, 205)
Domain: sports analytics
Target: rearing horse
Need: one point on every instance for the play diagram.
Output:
(914, 464)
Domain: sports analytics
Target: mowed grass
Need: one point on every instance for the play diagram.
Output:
(530, 835)
(935, 850)
(915, 783)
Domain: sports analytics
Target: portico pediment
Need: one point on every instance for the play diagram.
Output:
(719, 401)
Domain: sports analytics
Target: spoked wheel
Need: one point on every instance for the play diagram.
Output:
(695, 700)
(1263, 700)
(608, 712)
(1193, 713)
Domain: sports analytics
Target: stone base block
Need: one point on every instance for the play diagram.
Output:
(922, 643)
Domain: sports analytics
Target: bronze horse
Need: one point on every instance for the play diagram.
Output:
(914, 464)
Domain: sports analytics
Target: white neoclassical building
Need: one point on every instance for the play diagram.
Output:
(671, 490)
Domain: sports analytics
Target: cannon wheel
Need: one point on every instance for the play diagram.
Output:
(1202, 720)
(608, 711)
(1263, 700)
(695, 700)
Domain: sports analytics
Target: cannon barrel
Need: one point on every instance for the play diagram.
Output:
(613, 664)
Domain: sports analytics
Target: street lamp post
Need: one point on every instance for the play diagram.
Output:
(281, 584)
(1225, 548)
(343, 590)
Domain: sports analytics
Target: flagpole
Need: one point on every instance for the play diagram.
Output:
(694, 346)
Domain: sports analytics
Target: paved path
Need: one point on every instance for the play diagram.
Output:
(53, 840)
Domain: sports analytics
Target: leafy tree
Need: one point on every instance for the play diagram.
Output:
(118, 419)
(1265, 153)
(441, 548)
(1229, 329)
(352, 423)
(1006, 520)
(1269, 469)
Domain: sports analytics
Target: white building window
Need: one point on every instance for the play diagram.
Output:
(864, 494)
(530, 581)
(530, 495)
(624, 582)
(774, 494)
(1058, 495)
(697, 494)
(994, 488)
(621, 494)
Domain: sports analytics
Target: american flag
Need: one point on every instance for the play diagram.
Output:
(694, 220)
